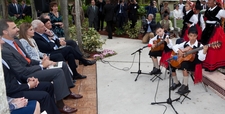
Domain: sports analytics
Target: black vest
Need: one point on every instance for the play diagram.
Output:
(187, 17)
(196, 60)
(211, 15)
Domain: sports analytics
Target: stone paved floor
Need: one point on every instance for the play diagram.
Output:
(87, 88)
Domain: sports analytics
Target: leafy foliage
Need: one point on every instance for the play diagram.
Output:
(141, 10)
(91, 40)
(26, 19)
(119, 31)
(72, 31)
(132, 32)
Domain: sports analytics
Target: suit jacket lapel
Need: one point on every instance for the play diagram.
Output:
(21, 47)
(14, 51)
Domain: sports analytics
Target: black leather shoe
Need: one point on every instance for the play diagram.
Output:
(183, 90)
(79, 76)
(175, 86)
(155, 71)
(89, 62)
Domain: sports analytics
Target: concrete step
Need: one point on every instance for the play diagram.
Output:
(216, 81)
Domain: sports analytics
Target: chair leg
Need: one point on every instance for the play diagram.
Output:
(204, 86)
(185, 96)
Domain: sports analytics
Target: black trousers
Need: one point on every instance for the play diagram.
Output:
(44, 94)
(69, 55)
(74, 45)
(155, 54)
(109, 28)
(100, 21)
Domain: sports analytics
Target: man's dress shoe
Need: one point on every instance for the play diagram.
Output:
(67, 110)
(89, 62)
(79, 76)
(73, 96)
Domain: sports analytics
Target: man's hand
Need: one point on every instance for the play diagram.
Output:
(49, 32)
(205, 48)
(180, 53)
(62, 42)
(153, 46)
(33, 82)
(167, 40)
(45, 63)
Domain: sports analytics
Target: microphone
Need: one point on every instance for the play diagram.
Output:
(172, 58)
(149, 45)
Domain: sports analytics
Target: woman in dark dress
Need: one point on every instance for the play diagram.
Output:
(56, 20)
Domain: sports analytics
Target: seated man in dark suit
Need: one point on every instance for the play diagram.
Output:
(43, 92)
(45, 18)
(52, 46)
(23, 67)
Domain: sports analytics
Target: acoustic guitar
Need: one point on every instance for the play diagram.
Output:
(159, 44)
(189, 54)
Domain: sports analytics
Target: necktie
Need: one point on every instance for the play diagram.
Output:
(45, 37)
(20, 52)
(16, 8)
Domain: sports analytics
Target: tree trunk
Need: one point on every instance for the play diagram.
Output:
(33, 10)
(4, 107)
(64, 12)
(78, 25)
(4, 8)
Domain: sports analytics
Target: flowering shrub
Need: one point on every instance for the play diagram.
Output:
(104, 53)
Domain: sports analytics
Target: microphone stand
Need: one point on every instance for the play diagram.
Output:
(169, 100)
(139, 64)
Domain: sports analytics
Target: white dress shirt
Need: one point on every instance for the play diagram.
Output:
(201, 55)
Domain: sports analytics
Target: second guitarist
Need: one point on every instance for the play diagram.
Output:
(161, 45)
(188, 65)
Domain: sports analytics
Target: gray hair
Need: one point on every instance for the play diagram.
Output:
(35, 23)
(151, 15)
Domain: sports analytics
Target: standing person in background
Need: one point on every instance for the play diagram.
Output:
(201, 23)
(203, 4)
(132, 8)
(108, 11)
(100, 4)
(160, 8)
(177, 14)
(190, 19)
(73, 13)
(26, 9)
(214, 32)
(56, 20)
(181, 6)
(121, 13)
(92, 13)
(151, 9)
(14, 9)
(165, 9)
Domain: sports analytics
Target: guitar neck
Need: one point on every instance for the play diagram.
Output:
(194, 50)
